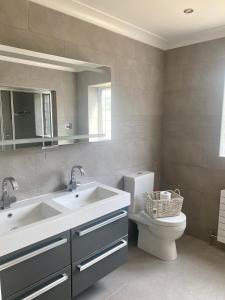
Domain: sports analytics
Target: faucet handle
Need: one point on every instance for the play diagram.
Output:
(12, 181)
(15, 185)
(6, 200)
(73, 183)
(82, 171)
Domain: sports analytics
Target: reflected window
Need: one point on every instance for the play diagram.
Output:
(47, 116)
(99, 112)
(222, 132)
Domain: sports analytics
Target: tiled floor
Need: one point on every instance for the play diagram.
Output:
(197, 274)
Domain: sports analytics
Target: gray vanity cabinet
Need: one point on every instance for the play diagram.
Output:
(97, 234)
(61, 267)
(22, 268)
(97, 265)
(54, 287)
(98, 247)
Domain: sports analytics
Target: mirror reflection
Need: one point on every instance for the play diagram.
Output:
(51, 107)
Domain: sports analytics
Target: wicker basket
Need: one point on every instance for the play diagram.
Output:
(158, 208)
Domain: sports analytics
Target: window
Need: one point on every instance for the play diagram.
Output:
(99, 111)
(222, 132)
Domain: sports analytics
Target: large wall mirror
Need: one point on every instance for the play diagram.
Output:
(49, 101)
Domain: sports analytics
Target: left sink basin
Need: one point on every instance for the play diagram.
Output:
(16, 218)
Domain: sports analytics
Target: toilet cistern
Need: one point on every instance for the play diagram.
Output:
(73, 184)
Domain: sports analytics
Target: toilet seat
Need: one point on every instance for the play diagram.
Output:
(175, 221)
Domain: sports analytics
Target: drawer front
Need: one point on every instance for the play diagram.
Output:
(95, 235)
(54, 287)
(31, 264)
(87, 272)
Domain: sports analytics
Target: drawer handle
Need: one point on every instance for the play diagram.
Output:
(32, 254)
(122, 214)
(83, 267)
(47, 288)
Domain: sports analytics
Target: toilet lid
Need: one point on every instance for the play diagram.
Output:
(168, 221)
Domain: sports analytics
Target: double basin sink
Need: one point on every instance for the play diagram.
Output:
(37, 218)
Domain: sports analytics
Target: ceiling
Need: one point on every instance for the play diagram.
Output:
(160, 23)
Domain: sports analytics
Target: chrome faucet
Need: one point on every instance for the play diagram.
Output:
(73, 184)
(6, 200)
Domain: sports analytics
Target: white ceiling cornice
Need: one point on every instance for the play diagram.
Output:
(99, 18)
(201, 36)
(89, 14)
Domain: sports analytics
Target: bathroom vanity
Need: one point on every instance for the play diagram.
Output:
(57, 245)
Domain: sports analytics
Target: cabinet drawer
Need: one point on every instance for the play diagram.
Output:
(87, 272)
(97, 234)
(54, 287)
(23, 268)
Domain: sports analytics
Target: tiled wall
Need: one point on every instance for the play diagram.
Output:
(194, 84)
(137, 78)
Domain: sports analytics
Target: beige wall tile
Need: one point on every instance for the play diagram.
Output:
(193, 99)
(24, 39)
(14, 13)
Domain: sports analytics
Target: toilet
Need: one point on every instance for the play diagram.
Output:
(156, 236)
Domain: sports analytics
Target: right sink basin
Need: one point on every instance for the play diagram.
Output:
(80, 198)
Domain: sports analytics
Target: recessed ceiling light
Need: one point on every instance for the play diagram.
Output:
(188, 10)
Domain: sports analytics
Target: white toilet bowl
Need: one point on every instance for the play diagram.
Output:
(157, 236)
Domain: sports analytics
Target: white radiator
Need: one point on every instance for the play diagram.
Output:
(221, 223)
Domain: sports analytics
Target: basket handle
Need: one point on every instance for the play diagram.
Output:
(177, 191)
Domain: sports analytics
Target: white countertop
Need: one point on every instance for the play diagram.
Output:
(65, 220)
